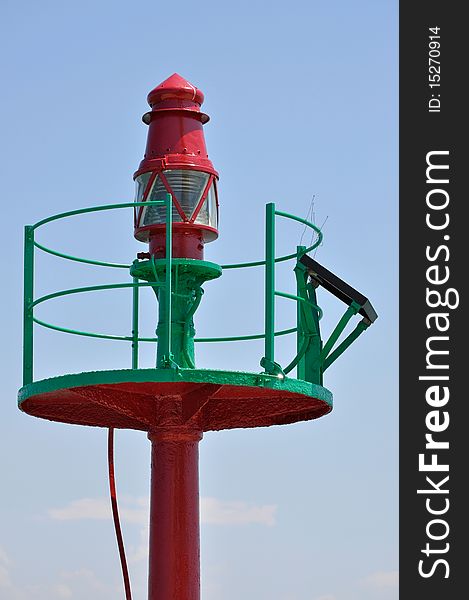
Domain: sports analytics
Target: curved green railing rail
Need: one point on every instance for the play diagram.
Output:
(29, 302)
(307, 308)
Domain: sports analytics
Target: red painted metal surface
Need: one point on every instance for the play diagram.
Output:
(149, 405)
(176, 142)
(115, 513)
(175, 414)
(174, 562)
(188, 242)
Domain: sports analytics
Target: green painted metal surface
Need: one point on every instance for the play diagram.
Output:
(135, 315)
(201, 269)
(28, 292)
(269, 347)
(177, 284)
(187, 277)
(165, 343)
(203, 376)
(309, 315)
(300, 338)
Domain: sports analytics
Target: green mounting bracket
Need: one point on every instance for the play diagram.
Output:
(272, 368)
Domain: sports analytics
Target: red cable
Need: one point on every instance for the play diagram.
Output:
(115, 513)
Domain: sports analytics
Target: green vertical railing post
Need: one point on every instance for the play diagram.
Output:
(269, 351)
(300, 369)
(168, 278)
(28, 295)
(135, 326)
(313, 365)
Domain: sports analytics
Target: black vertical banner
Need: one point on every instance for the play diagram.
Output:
(434, 323)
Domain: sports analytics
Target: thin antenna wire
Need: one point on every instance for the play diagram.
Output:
(316, 249)
(310, 212)
(115, 513)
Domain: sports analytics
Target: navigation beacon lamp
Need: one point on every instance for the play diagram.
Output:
(176, 162)
(176, 213)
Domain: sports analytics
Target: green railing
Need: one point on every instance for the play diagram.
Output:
(312, 357)
(268, 361)
(29, 302)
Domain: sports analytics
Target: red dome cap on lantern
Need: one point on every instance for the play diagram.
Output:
(177, 91)
(176, 162)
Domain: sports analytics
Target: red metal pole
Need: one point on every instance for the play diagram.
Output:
(174, 567)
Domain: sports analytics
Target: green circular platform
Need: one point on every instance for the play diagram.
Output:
(148, 399)
(200, 269)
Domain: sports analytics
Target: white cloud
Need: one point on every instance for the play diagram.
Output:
(5, 563)
(213, 576)
(132, 510)
(85, 580)
(140, 552)
(64, 588)
(86, 508)
(63, 591)
(382, 579)
(326, 597)
(135, 510)
(228, 512)
(4, 577)
(4, 560)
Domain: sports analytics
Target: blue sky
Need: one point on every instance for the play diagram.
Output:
(303, 103)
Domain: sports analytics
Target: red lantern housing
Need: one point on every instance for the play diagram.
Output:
(176, 162)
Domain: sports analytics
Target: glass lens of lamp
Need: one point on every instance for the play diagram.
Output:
(208, 214)
(152, 215)
(140, 185)
(187, 187)
(213, 206)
